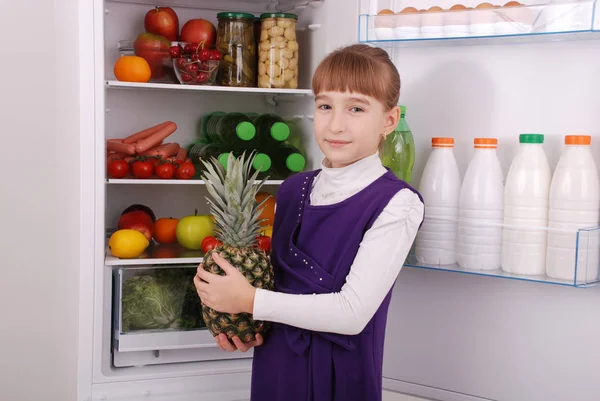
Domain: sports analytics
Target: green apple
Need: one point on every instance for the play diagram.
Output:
(192, 229)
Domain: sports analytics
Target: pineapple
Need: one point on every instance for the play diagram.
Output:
(233, 204)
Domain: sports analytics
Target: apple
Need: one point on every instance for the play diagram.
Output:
(143, 208)
(191, 230)
(137, 220)
(155, 50)
(162, 21)
(199, 31)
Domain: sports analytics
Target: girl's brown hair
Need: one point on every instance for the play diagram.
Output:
(360, 69)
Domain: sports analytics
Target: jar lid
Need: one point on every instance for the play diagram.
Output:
(531, 138)
(278, 15)
(235, 15)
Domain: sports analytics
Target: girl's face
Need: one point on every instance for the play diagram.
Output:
(349, 126)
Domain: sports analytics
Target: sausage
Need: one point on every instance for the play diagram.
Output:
(144, 133)
(169, 150)
(120, 147)
(145, 144)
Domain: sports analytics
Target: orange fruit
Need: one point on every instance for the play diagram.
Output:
(165, 230)
(268, 208)
(132, 69)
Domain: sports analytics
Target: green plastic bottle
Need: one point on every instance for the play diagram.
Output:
(205, 152)
(287, 160)
(398, 150)
(270, 130)
(261, 162)
(231, 130)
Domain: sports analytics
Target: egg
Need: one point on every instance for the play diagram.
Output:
(408, 23)
(514, 17)
(457, 15)
(385, 24)
(433, 16)
(483, 19)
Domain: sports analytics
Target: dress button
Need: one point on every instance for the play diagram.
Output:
(311, 267)
(295, 254)
(320, 279)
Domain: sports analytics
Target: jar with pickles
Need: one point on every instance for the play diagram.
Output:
(278, 51)
(236, 42)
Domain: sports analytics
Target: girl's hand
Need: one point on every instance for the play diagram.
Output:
(230, 293)
(226, 345)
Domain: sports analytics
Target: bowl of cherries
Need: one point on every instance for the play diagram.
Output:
(193, 64)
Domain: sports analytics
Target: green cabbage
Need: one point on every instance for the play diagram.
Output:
(161, 299)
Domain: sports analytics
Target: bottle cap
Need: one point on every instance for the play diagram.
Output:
(485, 143)
(402, 109)
(262, 162)
(531, 138)
(295, 162)
(578, 139)
(442, 142)
(223, 158)
(245, 131)
(280, 131)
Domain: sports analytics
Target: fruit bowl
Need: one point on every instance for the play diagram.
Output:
(191, 72)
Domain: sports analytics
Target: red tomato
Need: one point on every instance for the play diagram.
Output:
(264, 243)
(142, 169)
(209, 243)
(166, 171)
(118, 169)
(185, 171)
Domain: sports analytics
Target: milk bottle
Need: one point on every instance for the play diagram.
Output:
(480, 207)
(574, 199)
(526, 209)
(440, 187)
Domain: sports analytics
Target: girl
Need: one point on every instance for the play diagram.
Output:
(340, 237)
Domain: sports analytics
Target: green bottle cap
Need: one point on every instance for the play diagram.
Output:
(245, 130)
(531, 138)
(223, 158)
(402, 110)
(262, 162)
(295, 162)
(280, 131)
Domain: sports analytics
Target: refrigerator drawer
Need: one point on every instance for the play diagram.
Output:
(157, 318)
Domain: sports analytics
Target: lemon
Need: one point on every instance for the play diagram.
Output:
(127, 244)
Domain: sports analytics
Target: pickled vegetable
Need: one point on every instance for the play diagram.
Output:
(235, 40)
(278, 51)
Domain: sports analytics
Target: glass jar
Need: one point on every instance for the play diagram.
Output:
(278, 51)
(235, 41)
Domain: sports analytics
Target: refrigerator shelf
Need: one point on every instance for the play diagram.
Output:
(137, 181)
(207, 88)
(520, 24)
(157, 254)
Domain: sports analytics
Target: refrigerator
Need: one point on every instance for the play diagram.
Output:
(452, 334)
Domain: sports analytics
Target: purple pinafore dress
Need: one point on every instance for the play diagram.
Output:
(312, 251)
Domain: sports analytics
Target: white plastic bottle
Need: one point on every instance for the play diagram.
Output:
(526, 209)
(440, 187)
(574, 201)
(479, 240)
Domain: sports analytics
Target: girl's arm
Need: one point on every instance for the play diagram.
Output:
(380, 257)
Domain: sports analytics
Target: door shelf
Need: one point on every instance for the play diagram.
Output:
(575, 251)
(134, 181)
(522, 24)
(207, 88)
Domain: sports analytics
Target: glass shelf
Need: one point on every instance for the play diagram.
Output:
(527, 23)
(558, 254)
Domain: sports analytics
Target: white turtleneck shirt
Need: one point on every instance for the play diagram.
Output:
(380, 257)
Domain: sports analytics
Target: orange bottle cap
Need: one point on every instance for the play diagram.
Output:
(486, 143)
(442, 142)
(578, 139)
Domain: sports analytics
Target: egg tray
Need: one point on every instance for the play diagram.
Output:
(483, 20)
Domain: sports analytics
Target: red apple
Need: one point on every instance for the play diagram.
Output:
(162, 21)
(155, 50)
(139, 221)
(199, 31)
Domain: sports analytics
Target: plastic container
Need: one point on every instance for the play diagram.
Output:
(233, 131)
(398, 150)
(526, 209)
(574, 200)
(287, 160)
(278, 51)
(194, 72)
(271, 130)
(440, 187)
(236, 42)
(479, 241)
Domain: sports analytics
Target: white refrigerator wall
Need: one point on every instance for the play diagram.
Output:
(39, 200)
(496, 338)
